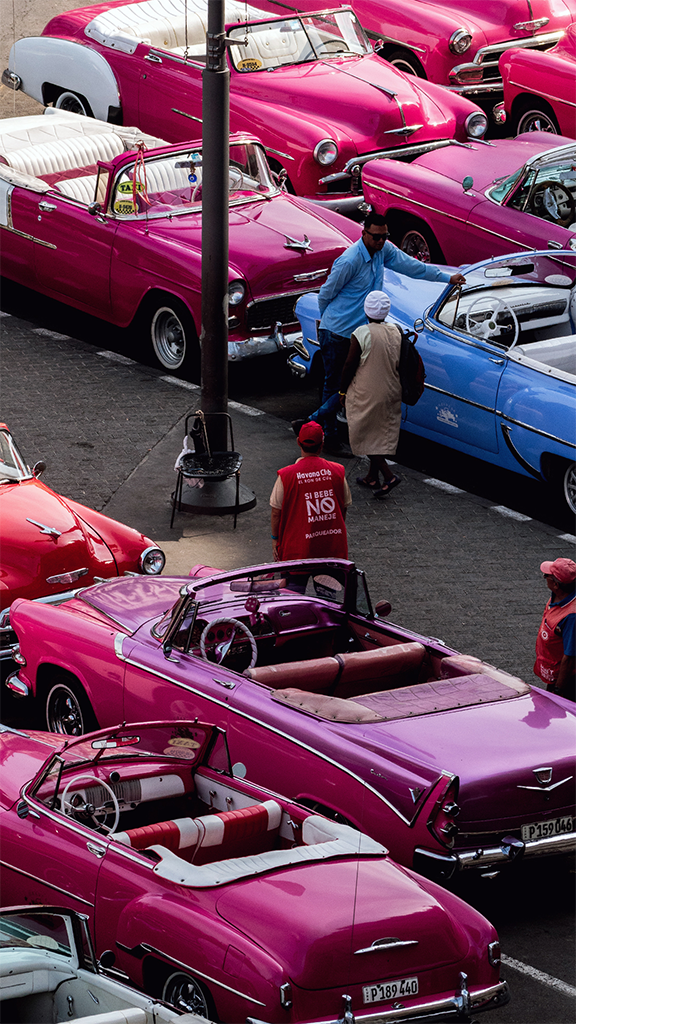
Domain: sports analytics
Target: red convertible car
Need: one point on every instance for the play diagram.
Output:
(462, 206)
(448, 762)
(539, 89)
(458, 43)
(227, 900)
(90, 219)
(309, 86)
(49, 543)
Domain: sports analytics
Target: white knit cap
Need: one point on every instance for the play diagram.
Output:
(377, 305)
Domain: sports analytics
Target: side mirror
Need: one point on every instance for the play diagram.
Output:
(383, 609)
(39, 468)
(280, 177)
(468, 182)
(94, 208)
(378, 45)
(419, 325)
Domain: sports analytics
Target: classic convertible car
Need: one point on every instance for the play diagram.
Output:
(227, 900)
(49, 543)
(458, 42)
(78, 193)
(539, 89)
(310, 86)
(448, 762)
(500, 362)
(49, 975)
(461, 206)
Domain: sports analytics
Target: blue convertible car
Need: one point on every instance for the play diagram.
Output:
(500, 360)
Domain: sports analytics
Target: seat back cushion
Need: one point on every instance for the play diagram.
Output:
(315, 676)
(237, 833)
(182, 836)
(380, 669)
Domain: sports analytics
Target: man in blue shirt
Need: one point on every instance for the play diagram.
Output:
(355, 273)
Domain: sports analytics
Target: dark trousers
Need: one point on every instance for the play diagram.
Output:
(334, 349)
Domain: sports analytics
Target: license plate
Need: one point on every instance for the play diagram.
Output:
(545, 829)
(384, 990)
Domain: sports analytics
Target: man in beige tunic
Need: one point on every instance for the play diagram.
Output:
(371, 391)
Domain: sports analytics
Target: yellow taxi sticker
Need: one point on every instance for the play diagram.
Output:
(184, 755)
(126, 188)
(249, 64)
(183, 741)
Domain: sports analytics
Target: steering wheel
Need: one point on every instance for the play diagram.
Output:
(556, 199)
(492, 308)
(221, 641)
(98, 814)
(340, 46)
(197, 192)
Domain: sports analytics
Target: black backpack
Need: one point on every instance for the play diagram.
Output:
(411, 369)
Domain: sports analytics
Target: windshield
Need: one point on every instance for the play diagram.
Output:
(12, 466)
(275, 44)
(37, 930)
(173, 183)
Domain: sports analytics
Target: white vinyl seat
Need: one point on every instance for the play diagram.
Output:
(82, 189)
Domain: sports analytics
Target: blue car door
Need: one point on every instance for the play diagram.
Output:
(463, 370)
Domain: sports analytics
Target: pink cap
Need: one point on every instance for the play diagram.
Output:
(563, 569)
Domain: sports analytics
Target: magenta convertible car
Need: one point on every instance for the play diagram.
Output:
(91, 219)
(448, 762)
(223, 899)
(465, 205)
(539, 89)
(310, 86)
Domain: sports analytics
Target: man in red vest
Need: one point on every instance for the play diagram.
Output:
(556, 641)
(309, 501)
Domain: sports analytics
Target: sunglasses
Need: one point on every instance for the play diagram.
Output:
(378, 238)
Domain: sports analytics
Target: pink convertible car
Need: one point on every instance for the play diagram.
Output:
(310, 86)
(462, 206)
(225, 899)
(539, 89)
(91, 220)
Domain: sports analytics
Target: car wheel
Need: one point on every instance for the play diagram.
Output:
(568, 478)
(536, 116)
(67, 709)
(174, 342)
(417, 240)
(187, 994)
(73, 103)
(406, 62)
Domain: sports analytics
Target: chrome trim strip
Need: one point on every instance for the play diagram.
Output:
(547, 789)
(184, 114)
(42, 881)
(544, 95)
(378, 946)
(194, 970)
(278, 152)
(30, 238)
(535, 430)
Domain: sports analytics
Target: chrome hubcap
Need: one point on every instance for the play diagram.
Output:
(64, 714)
(167, 335)
(415, 245)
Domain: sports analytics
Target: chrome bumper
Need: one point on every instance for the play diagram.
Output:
(438, 1012)
(508, 850)
(262, 345)
(15, 685)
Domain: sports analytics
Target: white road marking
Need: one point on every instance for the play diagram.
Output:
(569, 537)
(441, 486)
(545, 979)
(181, 383)
(116, 357)
(510, 513)
(247, 410)
(44, 333)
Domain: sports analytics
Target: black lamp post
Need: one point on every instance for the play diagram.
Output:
(216, 497)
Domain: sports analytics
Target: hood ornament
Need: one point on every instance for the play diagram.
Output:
(406, 131)
(544, 777)
(530, 26)
(49, 530)
(292, 243)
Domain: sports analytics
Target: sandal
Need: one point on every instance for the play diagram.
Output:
(363, 481)
(383, 491)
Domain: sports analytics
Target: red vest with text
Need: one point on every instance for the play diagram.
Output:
(312, 524)
(549, 646)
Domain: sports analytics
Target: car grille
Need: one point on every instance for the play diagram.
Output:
(489, 56)
(263, 315)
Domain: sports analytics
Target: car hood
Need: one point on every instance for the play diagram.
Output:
(360, 94)
(489, 163)
(262, 237)
(133, 600)
(330, 910)
(56, 542)
(494, 749)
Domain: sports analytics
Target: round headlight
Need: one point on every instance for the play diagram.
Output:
(152, 561)
(476, 124)
(460, 41)
(237, 290)
(326, 152)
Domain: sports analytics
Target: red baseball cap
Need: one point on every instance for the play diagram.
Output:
(311, 435)
(563, 569)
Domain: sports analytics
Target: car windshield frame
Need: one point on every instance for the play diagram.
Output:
(131, 198)
(348, 32)
(13, 467)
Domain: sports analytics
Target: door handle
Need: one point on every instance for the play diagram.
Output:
(98, 851)
(46, 207)
(153, 58)
(499, 362)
